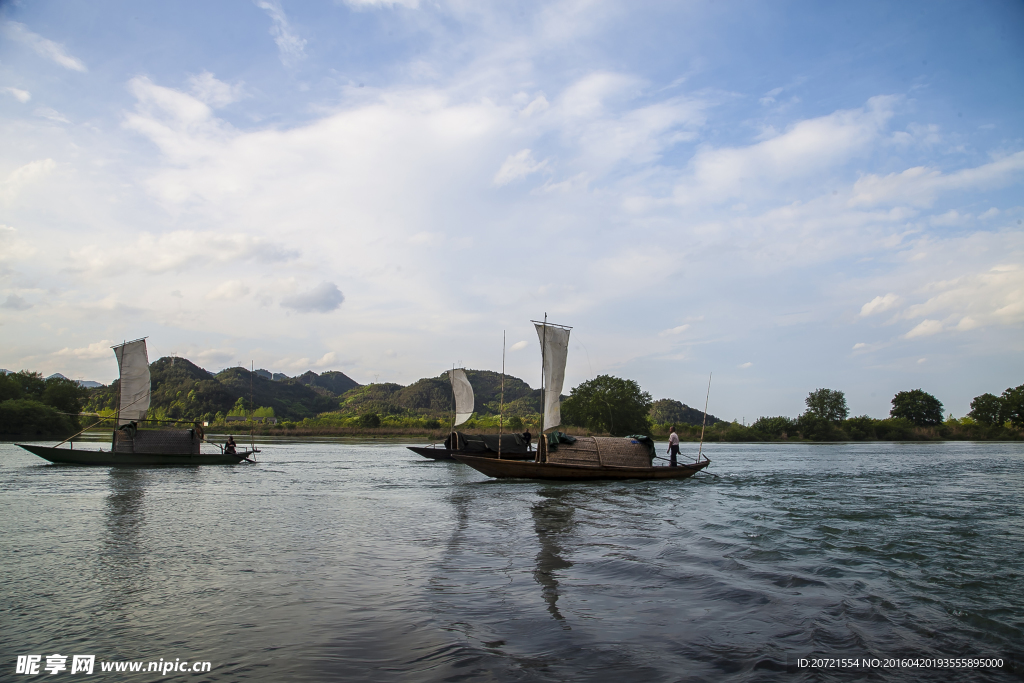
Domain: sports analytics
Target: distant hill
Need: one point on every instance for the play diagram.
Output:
(670, 411)
(335, 382)
(183, 390)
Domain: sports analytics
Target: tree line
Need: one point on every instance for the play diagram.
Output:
(33, 406)
(620, 407)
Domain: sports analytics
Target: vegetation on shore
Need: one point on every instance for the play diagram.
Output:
(33, 406)
(332, 403)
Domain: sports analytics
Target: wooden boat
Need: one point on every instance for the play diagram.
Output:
(77, 456)
(512, 469)
(435, 453)
(131, 446)
(513, 447)
(568, 458)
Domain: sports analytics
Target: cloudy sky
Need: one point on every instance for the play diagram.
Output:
(792, 195)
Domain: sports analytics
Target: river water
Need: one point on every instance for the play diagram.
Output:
(356, 561)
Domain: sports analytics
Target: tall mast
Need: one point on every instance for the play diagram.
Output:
(451, 380)
(543, 386)
(120, 385)
(501, 408)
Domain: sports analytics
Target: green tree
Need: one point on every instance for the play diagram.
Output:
(774, 426)
(986, 409)
(608, 404)
(1013, 406)
(918, 406)
(369, 420)
(827, 404)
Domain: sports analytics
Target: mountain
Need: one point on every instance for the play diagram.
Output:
(335, 382)
(669, 411)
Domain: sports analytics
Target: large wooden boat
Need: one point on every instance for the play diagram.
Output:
(511, 469)
(569, 458)
(132, 446)
(513, 447)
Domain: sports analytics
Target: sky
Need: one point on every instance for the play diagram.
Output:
(783, 196)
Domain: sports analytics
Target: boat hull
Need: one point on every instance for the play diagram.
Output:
(70, 456)
(446, 454)
(511, 469)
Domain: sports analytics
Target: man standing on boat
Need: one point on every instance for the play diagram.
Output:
(673, 447)
(528, 437)
(229, 447)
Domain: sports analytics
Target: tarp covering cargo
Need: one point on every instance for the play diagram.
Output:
(607, 451)
(486, 443)
(161, 441)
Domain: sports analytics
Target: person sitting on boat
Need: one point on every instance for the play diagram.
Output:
(673, 447)
(229, 447)
(528, 437)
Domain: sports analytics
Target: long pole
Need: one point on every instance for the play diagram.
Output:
(451, 432)
(120, 384)
(700, 452)
(543, 391)
(252, 407)
(501, 405)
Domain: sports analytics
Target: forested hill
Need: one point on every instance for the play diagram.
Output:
(183, 390)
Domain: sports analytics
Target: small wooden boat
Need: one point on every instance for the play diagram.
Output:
(511, 469)
(131, 446)
(72, 456)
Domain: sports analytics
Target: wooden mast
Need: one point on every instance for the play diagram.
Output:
(501, 405)
(543, 392)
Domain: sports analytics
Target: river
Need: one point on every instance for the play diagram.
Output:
(350, 560)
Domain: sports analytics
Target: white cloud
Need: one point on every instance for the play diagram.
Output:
(13, 248)
(43, 46)
(96, 350)
(744, 366)
(25, 175)
(992, 297)
(178, 251)
(212, 357)
(517, 166)
(22, 96)
(323, 298)
(51, 114)
(361, 4)
(859, 345)
(674, 330)
(289, 44)
(229, 290)
(879, 304)
(519, 345)
(213, 92)
(924, 329)
(921, 185)
(807, 147)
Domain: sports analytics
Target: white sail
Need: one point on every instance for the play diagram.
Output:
(464, 401)
(555, 346)
(133, 362)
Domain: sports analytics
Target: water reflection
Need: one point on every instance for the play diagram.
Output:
(122, 558)
(554, 523)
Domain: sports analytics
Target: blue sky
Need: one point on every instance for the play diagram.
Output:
(792, 195)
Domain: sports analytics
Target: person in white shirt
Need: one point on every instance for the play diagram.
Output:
(673, 447)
